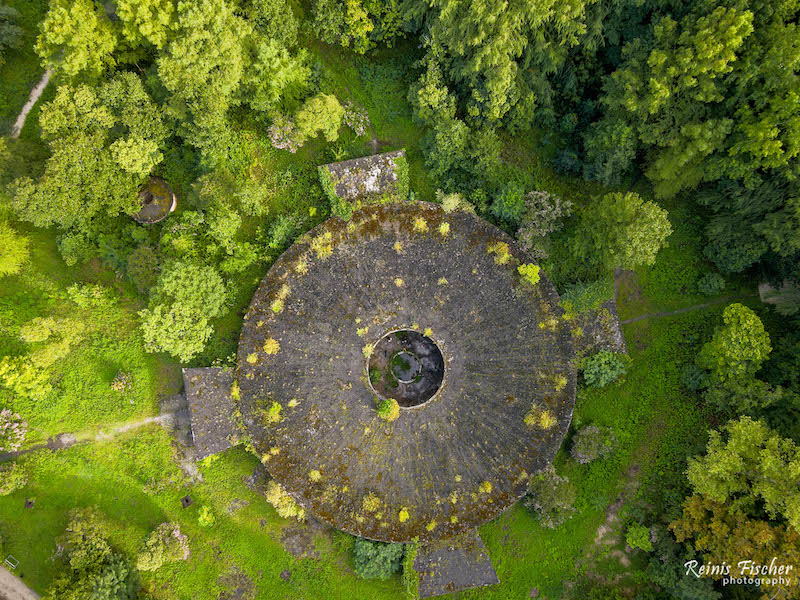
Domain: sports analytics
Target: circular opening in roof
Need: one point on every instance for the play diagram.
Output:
(407, 366)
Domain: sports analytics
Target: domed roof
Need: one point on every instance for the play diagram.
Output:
(460, 452)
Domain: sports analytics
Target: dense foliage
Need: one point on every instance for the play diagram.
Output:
(376, 560)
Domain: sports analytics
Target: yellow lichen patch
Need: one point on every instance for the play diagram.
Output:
(540, 417)
(398, 247)
(458, 478)
(403, 515)
(441, 281)
(314, 475)
(362, 331)
(550, 323)
(399, 282)
(271, 346)
(428, 332)
(420, 225)
(371, 503)
(486, 487)
(454, 519)
(265, 458)
(283, 293)
(431, 526)
(351, 227)
(292, 403)
(283, 502)
(276, 306)
(301, 268)
(235, 391)
(273, 414)
(444, 229)
(501, 252)
(274, 451)
(560, 382)
(252, 358)
(322, 245)
(367, 350)
(388, 409)
(453, 497)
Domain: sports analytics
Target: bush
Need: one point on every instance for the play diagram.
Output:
(13, 248)
(638, 536)
(13, 477)
(12, 431)
(206, 518)
(529, 273)
(694, 378)
(165, 544)
(376, 560)
(551, 497)
(711, 284)
(592, 442)
(604, 367)
(509, 204)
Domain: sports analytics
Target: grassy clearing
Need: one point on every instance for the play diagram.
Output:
(135, 482)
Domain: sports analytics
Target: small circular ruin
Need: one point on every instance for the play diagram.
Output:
(323, 338)
(156, 201)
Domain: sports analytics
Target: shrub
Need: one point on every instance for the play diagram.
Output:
(551, 497)
(13, 477)
(592, 442)
(543, 215)
(12, 431)
(604, 367)
(388, 409)
(376, 560)
(410, 575)
(165, 544)
(638, 536)
(694, 378)
(321, 113)
(86, 539)
(284, 504)
(206, 518)
(711, 284)
(529, 273)
(13, 246)
(509, 204)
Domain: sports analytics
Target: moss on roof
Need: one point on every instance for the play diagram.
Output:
(447, 465)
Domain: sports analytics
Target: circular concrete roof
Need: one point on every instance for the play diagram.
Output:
(444, 466)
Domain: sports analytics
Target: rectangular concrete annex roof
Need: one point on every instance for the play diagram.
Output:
(211, 406)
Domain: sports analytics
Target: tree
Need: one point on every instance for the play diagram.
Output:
(276, 21)
(747, 396)
(738, 348)
(146, 21)
(10, 32)
(638, 536)
(186, 297)
(83, 178)
(274, 75)
(604, 367)
(750, 465)
(13, 250)
(320, 113)
(667, 88)
(85, 539)
(202, 69)
(592, 442)
(610, 150)
(543, 214)
(622, 230)
(726, 535)
(551, 497)
(77, 38)
(376, 560)
(165, 544)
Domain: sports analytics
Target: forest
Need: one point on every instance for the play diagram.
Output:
(643, 151)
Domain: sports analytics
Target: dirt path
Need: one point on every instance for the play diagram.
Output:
(13, 588)
(36, 93)
(688, 308)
